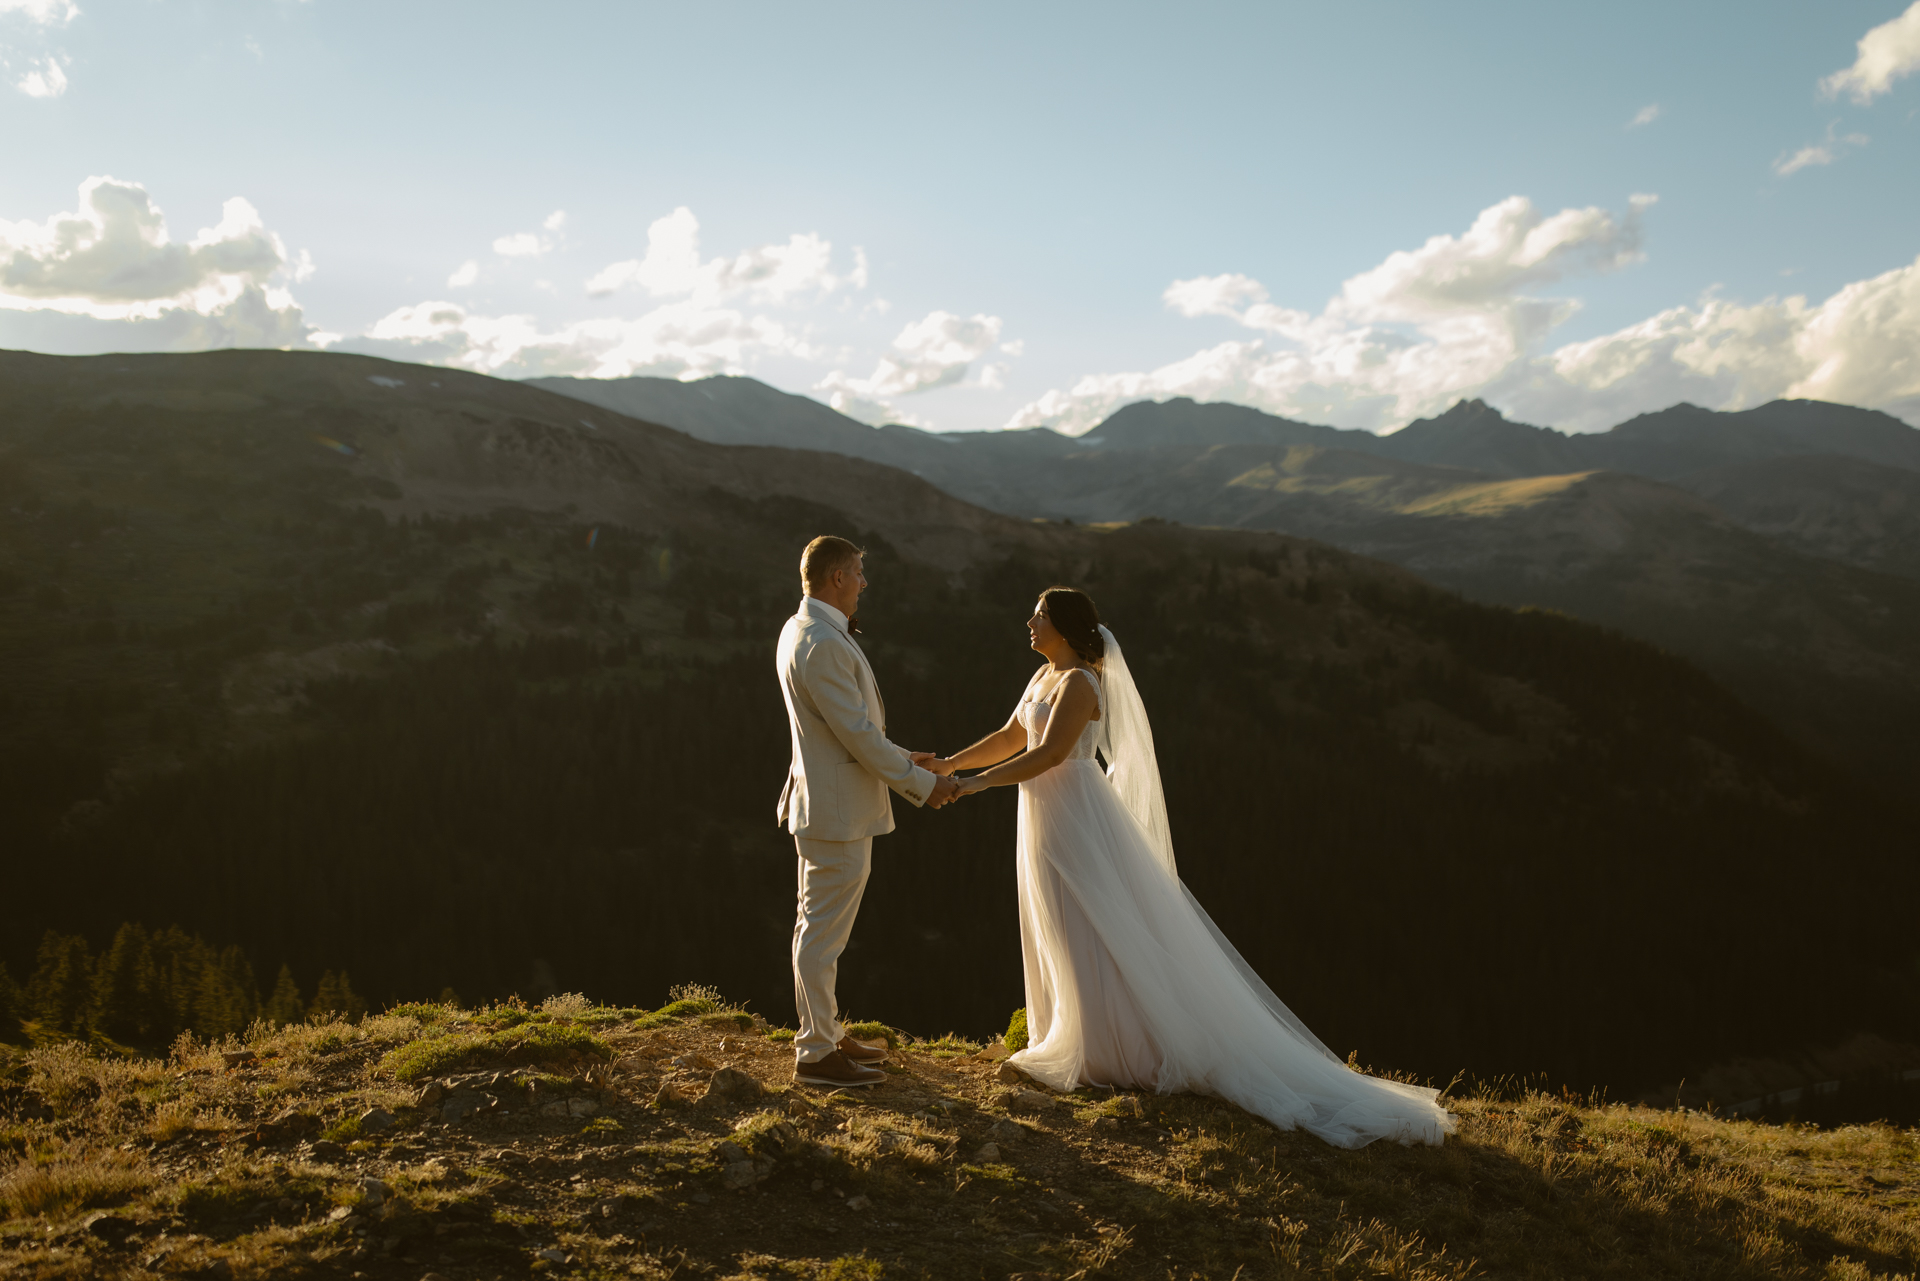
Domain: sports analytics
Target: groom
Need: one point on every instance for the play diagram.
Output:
(835, 801)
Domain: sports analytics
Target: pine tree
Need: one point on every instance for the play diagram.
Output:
(60, 993)
(12, 1007)
(225, 998)
(124, 979)
(336, 996)
(284, 1006)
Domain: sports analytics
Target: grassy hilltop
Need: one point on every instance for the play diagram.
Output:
(583, 1141)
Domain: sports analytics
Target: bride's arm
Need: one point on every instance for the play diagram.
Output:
(1074, 706)
(991, 750)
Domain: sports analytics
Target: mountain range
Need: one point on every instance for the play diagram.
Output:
(465, 684)
(1778, 546)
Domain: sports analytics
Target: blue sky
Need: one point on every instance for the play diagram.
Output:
(978, 216)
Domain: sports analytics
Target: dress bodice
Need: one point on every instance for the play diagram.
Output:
(1034, 711)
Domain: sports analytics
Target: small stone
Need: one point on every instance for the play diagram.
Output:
(1008, 1074)
(988, 1152)
(732, 1045)
(238, 1058)
(374, 1191)
(993, 1053)
(892, 1141)
(340, 1214)
(326, 1150)
(376, 1120)
(109, 1227)
(738, 1175)
(581, 1107)
(694, 1062)
(1009, 1132)
(669, 1095)
(551, 1255)
(800, 1105)
(733, 1085)
(431, 1093)
(1106, 1124)
(507, 1156)
(1027, 1100)
(729, 1152)
(862, 1202)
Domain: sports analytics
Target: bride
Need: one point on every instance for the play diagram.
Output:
(1129, 982)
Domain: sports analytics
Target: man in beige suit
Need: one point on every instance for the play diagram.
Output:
(835, 801)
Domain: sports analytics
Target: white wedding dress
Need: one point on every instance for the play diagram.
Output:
(1129, 982)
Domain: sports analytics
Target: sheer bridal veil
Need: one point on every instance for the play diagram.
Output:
(1134, 771)
(1132, 767)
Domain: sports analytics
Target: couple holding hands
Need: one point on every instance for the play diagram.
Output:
(1129, 984)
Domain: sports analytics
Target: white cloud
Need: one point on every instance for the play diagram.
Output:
(679, 340)
(932, 352)
(1451, 320)
(776, 273)
(1821, 153)
(113, 260)
(463, 275)
(523, 245)
(1645, 116)
(555, 220)
(47, 13)
(1885, 54)
(47, 79)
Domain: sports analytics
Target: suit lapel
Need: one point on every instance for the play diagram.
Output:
(873, 685)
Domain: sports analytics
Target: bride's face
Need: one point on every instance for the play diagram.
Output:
(1042, 635)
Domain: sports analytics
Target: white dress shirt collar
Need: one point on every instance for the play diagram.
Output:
(814, 607)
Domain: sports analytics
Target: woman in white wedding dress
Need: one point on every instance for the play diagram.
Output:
(1129, 982)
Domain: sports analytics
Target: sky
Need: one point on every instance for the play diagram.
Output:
(987, 216)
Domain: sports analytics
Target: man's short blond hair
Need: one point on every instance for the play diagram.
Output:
(823, 556)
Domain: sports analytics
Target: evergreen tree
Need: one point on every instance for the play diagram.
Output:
(125, 1000)
(336, 996)
(284, 1006)
(12, 1006)
(225, 997)
(60, 993)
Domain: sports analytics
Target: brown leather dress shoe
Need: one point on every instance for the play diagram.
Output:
(861, 1052)
(836, 1071)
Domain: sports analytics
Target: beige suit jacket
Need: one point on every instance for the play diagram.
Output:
(842, 762)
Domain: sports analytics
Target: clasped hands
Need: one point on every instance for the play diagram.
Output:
(946, 788)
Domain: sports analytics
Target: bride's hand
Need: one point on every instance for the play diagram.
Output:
(968, 786)
(929, 761)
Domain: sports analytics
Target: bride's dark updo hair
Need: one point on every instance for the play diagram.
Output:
(1073, 615)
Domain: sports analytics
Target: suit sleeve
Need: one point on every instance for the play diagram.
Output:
(834, 685)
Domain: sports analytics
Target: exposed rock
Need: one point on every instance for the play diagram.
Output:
(733, 1086)
(340, 1213)
(374, 1191)
(669, 1095)
(239, 1058)
(376, 1120)
(326, 1150)
(730, 1152)
(860, 1202)
(800, 1105)
(738, 1175)
(1026, 1100)
(993, 1053)
(1009, 1132)
(551, 1255)
(988, 1152)
(463, 1103)
(431, 1093)
(109, 1227)
(694, 1062)
(1008, 1074)
(893, 1141)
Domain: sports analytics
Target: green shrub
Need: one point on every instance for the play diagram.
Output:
(870, 1030)
(727, 1018)
(780, 1034)
(1017, 1031)
(431, 1055)
(427, 1013)
(529, 1042)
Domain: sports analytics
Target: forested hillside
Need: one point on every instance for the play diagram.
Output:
(351, 711)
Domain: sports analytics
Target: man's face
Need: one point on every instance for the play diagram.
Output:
(852, 580)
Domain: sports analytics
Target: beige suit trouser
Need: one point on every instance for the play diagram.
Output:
(833, 876)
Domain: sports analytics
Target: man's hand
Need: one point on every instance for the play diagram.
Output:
(943, 791)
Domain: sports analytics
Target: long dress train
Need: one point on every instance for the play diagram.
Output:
(1130, 983)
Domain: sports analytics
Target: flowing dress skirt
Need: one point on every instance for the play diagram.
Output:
(1129, 983)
